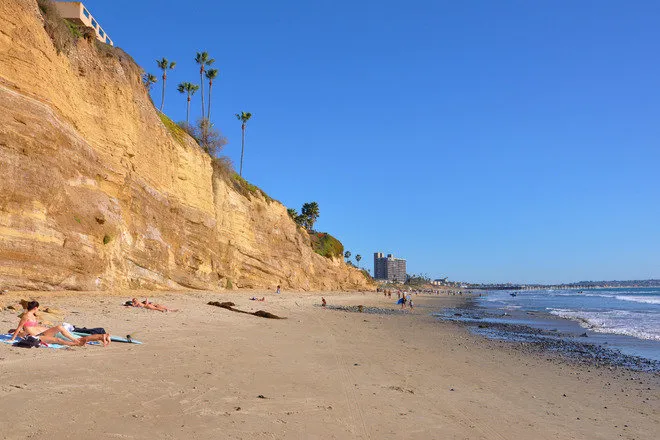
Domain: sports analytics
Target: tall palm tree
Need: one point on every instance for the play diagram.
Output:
(358, 257)
(211, 74)
(244, 118)
(189, 89)
(309, 213)
(148, 80)
(202, 58)
(164, 65)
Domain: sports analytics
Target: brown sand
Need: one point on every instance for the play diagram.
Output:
(323, 374)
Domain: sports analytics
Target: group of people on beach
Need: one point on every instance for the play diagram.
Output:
(30, 326)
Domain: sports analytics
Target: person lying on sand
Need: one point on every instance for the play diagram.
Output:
(29, 325)
(149, 305)
(254, 298)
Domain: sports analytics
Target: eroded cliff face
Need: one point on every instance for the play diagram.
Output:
(95, 193)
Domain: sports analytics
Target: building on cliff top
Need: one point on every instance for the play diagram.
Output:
(77, 13)
(389, 268)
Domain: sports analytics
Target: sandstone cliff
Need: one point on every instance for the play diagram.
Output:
(95, 193)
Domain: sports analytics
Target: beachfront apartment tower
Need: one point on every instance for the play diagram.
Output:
(389, 268)
(77, 13)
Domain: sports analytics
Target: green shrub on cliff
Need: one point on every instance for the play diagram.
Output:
(58, 29)
(247, 189)
(326, 245)
(177, 132)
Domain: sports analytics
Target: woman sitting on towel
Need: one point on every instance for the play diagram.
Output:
(29, 325)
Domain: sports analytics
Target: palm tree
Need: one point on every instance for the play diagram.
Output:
(211, 74)
(148, 80)
(190, 89)
(347, 255)
(164, 65)
(309, 214)
(358, 257)
(202, 58)
(243, 117)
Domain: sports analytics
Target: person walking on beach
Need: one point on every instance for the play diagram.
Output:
(278, 289)
(410, 304)
(323, 303)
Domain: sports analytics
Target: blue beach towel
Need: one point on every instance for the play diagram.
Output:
(6, 339)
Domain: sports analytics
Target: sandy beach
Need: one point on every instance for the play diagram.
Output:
(209, 373)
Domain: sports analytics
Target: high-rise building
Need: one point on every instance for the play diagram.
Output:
(389, 268)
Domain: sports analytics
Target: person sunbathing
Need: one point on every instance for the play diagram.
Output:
(29, 325)
(149, 305)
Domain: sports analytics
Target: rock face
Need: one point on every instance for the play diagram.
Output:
(95, 192)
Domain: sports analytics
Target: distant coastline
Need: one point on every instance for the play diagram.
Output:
(577, 285)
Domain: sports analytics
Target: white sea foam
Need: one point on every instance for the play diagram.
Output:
(622, 322)
(640, 299)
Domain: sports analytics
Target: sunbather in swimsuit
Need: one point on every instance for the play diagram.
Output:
(151, 306)
(53, 335)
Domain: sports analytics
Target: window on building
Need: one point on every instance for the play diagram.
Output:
(85, 12)
(94, 24)
(109, 41)
(101, 33)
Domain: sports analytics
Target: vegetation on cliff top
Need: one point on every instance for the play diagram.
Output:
(326, 245)
(63, 33)
(307, 217)
(65, 36)
(247, 189)
(177, 132)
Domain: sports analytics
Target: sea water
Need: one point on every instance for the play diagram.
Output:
(629, 316)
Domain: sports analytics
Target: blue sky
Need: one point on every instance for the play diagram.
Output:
(503, 141)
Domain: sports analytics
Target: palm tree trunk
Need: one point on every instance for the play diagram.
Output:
(188, 112)
(201, 81)
(208, 113)
(162, 99)
(242, 148)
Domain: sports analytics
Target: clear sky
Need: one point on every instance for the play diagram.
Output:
(481, 140)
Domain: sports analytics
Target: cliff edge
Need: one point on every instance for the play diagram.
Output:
(96, 193)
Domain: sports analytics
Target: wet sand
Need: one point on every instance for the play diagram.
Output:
(209, 373)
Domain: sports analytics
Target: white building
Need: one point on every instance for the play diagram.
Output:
(77, 13)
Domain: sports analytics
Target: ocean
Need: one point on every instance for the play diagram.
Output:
(631, 312)
(624, 320)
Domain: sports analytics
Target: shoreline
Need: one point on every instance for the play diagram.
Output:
(551, 334)
(322, 374)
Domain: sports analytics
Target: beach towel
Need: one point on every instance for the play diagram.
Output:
(6, 339)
